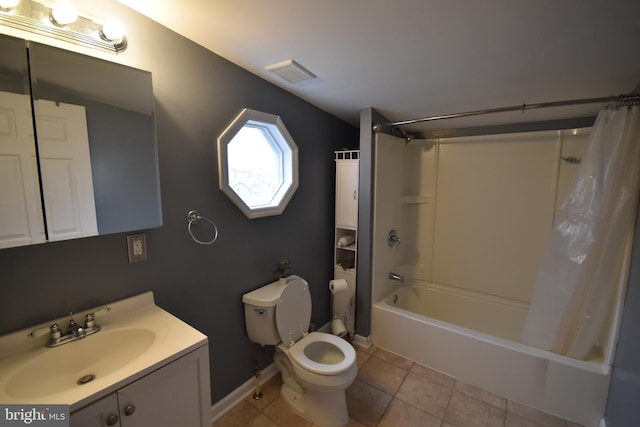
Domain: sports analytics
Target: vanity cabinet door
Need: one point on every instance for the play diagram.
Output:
(175, 395)
(103, 413)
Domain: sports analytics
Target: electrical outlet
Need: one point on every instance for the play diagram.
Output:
(137, 247)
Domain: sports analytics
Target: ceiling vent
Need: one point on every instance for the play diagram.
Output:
(291, 71)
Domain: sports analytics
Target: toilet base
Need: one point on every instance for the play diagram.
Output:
(324, 409)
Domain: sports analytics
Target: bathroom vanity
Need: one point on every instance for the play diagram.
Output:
(144, 367)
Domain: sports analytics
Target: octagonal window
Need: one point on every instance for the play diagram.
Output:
(258, 164)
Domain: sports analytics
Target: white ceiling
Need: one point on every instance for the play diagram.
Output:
(415, 58)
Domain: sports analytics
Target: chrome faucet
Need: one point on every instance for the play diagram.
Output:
(395, 276)
(74, 330)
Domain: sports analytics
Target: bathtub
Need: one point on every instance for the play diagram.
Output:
(410, 321)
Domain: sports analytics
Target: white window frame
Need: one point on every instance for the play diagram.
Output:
(274, 127)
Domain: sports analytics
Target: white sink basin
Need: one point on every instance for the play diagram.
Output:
(137, 337)
(77, 363)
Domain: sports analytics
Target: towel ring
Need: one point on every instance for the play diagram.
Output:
(194, 217)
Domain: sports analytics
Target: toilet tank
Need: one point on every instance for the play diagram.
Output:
(260, 313)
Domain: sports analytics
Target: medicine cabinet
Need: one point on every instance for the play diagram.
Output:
(78, 151)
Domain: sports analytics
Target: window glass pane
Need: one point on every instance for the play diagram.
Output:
(255, 166)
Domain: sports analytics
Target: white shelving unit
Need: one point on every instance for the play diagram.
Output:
(346, 233)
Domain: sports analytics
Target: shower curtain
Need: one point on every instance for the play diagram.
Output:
(576, 282)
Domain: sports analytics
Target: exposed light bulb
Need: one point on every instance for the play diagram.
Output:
(63, 13)
(113, 30)
(8, 4)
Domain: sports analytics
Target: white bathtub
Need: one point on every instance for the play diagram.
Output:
(572, 389)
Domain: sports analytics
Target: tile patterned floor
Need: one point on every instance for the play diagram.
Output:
(391, 391)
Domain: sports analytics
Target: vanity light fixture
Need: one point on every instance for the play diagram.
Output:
(112, 30)
(63, 22)
(8, 4)
(63, 13)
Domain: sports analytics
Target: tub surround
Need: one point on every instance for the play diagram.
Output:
(459, 207)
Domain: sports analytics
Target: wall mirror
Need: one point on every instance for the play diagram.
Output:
(21, 221)
(258, 164)
(96, 168)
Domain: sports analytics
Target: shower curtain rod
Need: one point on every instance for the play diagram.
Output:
(632, 99)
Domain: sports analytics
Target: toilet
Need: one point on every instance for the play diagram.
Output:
(316, 367)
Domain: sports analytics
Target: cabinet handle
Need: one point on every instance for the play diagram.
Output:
(129, 410)
(112, 420)
(355, 194)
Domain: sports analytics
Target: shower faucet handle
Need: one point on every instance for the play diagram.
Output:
(393, 240)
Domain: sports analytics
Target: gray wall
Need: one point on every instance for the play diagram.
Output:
(367, 138)
(197, 94)
(368, 117)
(623, 409)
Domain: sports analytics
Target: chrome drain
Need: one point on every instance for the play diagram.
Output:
(86, 379)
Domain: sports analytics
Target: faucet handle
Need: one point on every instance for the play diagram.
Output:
(38, 332)
(101, 311)
(54, 330)
(393, 240)
(90, 318)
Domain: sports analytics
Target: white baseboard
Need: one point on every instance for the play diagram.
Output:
(603, 423)
(361, 341)
(222, 406)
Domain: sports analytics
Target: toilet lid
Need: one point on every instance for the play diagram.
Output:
(293, 311)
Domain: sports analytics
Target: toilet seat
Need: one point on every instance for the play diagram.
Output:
(316, 353)
(298, 355)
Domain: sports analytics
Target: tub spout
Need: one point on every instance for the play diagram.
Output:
(394, 276)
